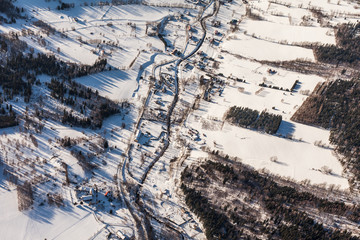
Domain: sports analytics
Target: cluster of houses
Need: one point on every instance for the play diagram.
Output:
(142, 138)
(91, 195)
(194, 134)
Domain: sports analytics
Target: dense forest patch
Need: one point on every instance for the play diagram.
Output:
(248, 118)
(234, 201)
(7, 7)
(347, 48)
(8, 120)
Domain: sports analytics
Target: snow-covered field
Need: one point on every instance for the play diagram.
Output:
(45, 221)
(116, 85)
(294, 145)
(287, 34)
(299, 160)
(256, 73)
(259, 49)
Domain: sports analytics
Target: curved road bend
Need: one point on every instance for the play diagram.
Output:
(168, 120)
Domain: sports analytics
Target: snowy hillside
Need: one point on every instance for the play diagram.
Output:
(116, 115)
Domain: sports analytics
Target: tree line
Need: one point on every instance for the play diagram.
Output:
(19, 74)
(20, 71)
(93, 108)
(12, 12)
(7, 116)
(347, 48)
(248, 118)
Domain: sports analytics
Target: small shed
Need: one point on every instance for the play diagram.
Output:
(87, 197)
(120, 235)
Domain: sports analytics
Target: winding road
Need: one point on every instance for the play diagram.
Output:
(132, 198)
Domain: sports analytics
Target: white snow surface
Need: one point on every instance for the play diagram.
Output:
(258, 49)
(116, 85)
(286, 33)
(44, 222)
